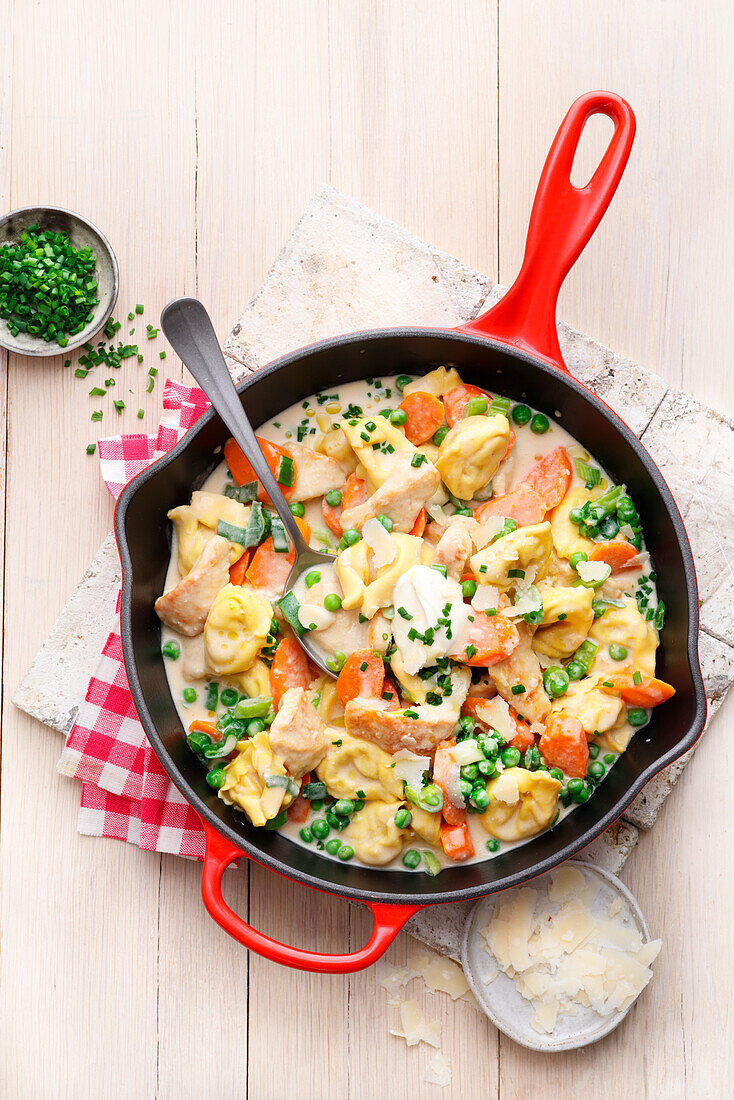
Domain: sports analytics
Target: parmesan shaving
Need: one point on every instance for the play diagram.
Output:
(438, 1071)
(496, 713)
(467, 752)
(441, 975)
(484, 534)
(416, 1029)
(486, 597)
(561, 955)
(380, 543)
(410, 767)
(593, 572)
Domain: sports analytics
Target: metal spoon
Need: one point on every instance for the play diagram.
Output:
(189, 330)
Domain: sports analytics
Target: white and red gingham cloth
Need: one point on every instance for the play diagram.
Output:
(126, 794)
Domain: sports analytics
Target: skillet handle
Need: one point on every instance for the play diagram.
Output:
(562, 221)
(388, 919)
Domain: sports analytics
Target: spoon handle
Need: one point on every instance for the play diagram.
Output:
(190, 332)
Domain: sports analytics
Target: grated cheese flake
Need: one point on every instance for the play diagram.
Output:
(415, 1028)
(438, 1071)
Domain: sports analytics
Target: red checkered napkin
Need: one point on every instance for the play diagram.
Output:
(126, 794)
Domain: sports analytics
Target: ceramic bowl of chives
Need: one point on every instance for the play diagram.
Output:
(82, 234)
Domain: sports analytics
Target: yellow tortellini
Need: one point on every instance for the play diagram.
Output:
(408, 552)
(527, 548)
(235, 630)
(336, 445)
(329, 706)
(209, 508)
(560, 637)
(196, 523)
(471, 452)
(412, 687)
(377, 464)
(353, 571)
(373, 834)
(425, 825)
(625, 626)
(595, 709)
(246, 782)
(566, 537)
(438, 382)
(358, 765)
(521, 803)
(254, 681)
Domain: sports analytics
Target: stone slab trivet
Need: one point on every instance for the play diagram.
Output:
(345, 268)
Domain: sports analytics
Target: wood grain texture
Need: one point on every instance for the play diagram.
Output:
(195, 135)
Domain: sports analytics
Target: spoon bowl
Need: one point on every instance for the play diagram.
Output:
(190, 332)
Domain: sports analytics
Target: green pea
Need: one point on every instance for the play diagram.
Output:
(467, 724)
(313, 577)
(332, 846)
(618, 652)
(411, 858)
(493, 844)
(228, 697)
(344, 807)
(440, 434)
(626, 511)
(637, 716)
(402, 381)
(403, 818)
(575, 516)
(564, 796)
(609, 758)
(489, 747)
(332, 602)
(469, 771)
(340, 658)
(171, 650)
(189, 695)
(297, 509)
(359, 805)
(468, 589)
(597, 770)
(575, 670)
(475, 406)
(556, 682)
(386, 522)
(216, 777)
(346, 852)
(351, 536)
(511, 756)
(557, 774)
(577, 557)
(320, 828)
(574, 785)
(486, 768)
(305, 834)
(609, 527)
(316, 804)
(465, 788)
(332, 820)
(593, 751)
(521, 415)
(333, 498)
(464, 512)
(398, 416)
(539, 424)
(480, 798)
(581, 795)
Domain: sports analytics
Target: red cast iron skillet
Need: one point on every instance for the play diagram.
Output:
(513, 349)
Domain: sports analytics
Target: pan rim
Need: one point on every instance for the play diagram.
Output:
(574, 846)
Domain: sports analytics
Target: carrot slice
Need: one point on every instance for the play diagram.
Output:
(551, 477)
(289, 669)
(523, 739)
(420, 523)
(493, 637)
(650, 692)
(390, 693)
(238, 571)
(510, 443)
(425, 415)
(523, 505)
(206, 727)
(442, 762)
(269, 569)
(363, 674)
(455, 400)
(617, 553)
(243, 472)
(563, 744)
(332, 515)
(354, 493)
(456, 841)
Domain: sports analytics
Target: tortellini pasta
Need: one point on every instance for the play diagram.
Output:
(373, 834)
(377, 463)
(255, 680)
(438, 382)
(596, 710)
(425, 825)
(521, 803)
(236, 629)
(625, 626)
(246, 780)
(527, 548)
(336, 445)
(470, 454)
(353, 765)
(408, 552)
(196, 523)
(353, 571)
(566, 537)
(210, 508)
(561, 636)
(617, 738)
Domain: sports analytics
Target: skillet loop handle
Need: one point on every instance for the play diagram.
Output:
(388, 919)
(562, 221)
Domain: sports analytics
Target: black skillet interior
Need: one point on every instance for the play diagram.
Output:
(143, 534)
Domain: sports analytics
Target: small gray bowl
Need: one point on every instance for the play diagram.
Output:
(82, 234)
(501, 1000)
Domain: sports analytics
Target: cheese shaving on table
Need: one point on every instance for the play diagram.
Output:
(561, 957)
(438, 1071)
(440, 974)
(415, 1028)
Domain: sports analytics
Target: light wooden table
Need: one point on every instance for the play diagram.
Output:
(194, 134)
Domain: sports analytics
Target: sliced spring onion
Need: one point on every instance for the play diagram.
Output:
(660, 616)
(590, 475)
(281, 545)
(499, 405)
(432, 863)
(284, 782)
(258, 525)
(232, 533)
(289, 605)
(313, 791)
(286, 472)
(585, 654)
(245, 494)
(219, 749)
(257, 707)
(212, 696)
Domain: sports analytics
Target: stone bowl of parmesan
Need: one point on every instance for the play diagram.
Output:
(557, 964)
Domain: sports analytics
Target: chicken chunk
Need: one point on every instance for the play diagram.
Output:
(316, 474)
(455, 546)
(186, 606)
(406, 490)
(522, 667)
(298, 734)
(393, 730)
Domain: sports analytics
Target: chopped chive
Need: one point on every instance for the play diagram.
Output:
(97, 391)
(141, 414)
(119, 405)
(91, 448)
(162, 354)
(97, 415)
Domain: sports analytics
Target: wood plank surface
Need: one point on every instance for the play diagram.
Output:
(194, 135)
